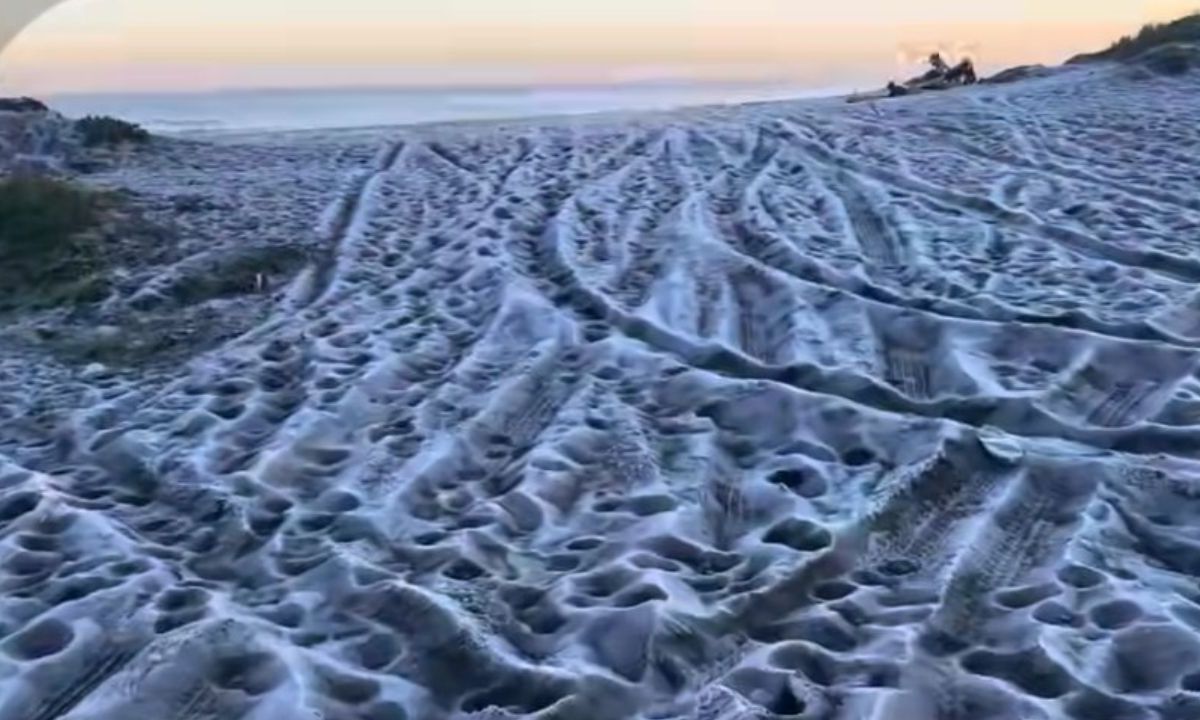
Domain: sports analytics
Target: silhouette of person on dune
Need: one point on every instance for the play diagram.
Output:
(940, 76)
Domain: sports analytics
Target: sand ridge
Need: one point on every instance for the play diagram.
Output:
(780, 411)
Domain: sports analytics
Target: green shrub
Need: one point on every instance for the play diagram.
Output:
(1174, 59)
(241, 272)
(101, 130)
(22, 105)
(1183, 30)
(44, 246)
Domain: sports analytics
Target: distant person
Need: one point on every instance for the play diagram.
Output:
(940, 76)
(937, 70)
(964, 73)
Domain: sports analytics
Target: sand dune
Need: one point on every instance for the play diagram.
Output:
(781, 411)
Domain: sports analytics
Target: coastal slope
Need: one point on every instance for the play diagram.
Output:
(789, 410)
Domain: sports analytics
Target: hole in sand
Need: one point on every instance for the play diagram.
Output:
(609, 372)
(857, 457)
(639, 595)
(1054, 613)
(712, 583)
(130, 567)
(543, 620)
(378, 651)
(180, 598)
(42, 639)
(1080, 576)
(1094, 705)
(76, 588)
(589, 543)
(463, 569)
(253, 673)
(804, 482)
(230, 388)
(798, 534)
(325, 455)
(24, 563)
(1032, 671)
(520, 597)
(1116, 614)
(607, 505)
(898, 567)
(276, 504)
(350, 689)
(430, 538)
(289, 615)
(1017, 598)
(648, 505)
(1191, 682)
(317, 522)
(606, 582)
(37, 542)
(646, 561)
(562, 562)
(385, 711)
(834, 590)
(17, 504)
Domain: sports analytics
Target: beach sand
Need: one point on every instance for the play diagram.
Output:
(790, 410)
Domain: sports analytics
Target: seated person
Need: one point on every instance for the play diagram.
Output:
(937, 68)
(939, 77)
(964, 73)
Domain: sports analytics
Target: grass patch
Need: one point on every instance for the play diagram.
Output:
(240, 272)
(49, 250)
(104, 131)
(134, 341)
(1173, 59)
(1183, 30)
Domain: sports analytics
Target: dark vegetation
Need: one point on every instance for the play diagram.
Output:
(22, 104)
(1151, 37)
(49, 250)
(105, 276)
(1173, 59)
(136, 340)
(69, 251)
(181, 318)
(104, 131)
(240, 272)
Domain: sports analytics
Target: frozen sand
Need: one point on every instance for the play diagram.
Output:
(791, 410)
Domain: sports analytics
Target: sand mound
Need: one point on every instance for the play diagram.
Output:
(1018, 73)
(787, 411)
(31, 138)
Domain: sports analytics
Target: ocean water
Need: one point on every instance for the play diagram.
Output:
(241, 110)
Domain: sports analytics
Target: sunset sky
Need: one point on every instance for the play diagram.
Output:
(89, 45)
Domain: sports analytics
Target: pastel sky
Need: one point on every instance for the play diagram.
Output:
(84, 45)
